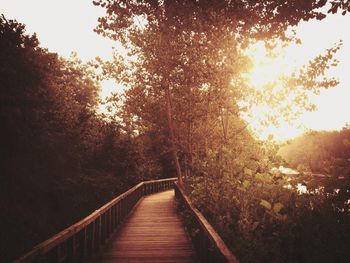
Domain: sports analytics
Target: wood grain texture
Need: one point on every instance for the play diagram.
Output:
(153, 233)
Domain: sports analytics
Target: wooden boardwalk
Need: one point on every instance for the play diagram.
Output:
(152, 233)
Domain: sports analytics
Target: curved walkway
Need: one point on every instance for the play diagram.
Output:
(152, 233)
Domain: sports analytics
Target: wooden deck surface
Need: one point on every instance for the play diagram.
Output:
(153, 233)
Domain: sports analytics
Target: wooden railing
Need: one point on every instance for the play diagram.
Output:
(81, 241)
(208, 244)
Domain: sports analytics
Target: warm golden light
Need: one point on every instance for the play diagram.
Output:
(266, 68)
(332, 105)
(316, 36)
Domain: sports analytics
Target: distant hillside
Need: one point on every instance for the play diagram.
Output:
(318, 151)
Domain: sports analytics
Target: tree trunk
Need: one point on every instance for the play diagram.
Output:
(172, 136)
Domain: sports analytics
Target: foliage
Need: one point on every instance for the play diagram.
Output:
(187, 85)
(187, 76)
(187, 91)
(59, 160)
(262, 221)
(317, 151)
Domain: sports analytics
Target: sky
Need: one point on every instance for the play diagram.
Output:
(64, 26)
(333, 105)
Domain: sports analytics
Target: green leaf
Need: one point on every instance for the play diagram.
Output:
(265, 178)
(248, 171)
(277, 207)
(265, 204)
(246, 183)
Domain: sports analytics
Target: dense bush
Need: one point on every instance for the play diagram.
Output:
(59, 160)
(269, 217)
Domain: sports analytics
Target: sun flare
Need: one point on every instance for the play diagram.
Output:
(330, 113)
(268, 69)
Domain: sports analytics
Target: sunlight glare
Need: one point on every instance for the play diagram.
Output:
(265, 68)
(332, 105)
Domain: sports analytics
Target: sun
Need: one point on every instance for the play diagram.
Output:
(266, 70)
(268, 66)
(331, 104)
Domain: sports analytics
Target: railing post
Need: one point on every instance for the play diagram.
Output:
(99, 232)
(101, 229)
(118, 213)
(85, 244)
(124, 208)
(93, 235)
(106, 228)
(113, 217)
(74, 248)
(109, 222)
(58, 254)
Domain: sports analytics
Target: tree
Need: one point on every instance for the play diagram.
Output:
(191, 54)
(190, 62)
(59, 159)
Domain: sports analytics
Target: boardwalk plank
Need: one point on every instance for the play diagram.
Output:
(153, 233)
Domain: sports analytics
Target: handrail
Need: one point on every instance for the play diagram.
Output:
(80, 241)
(210, 246)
